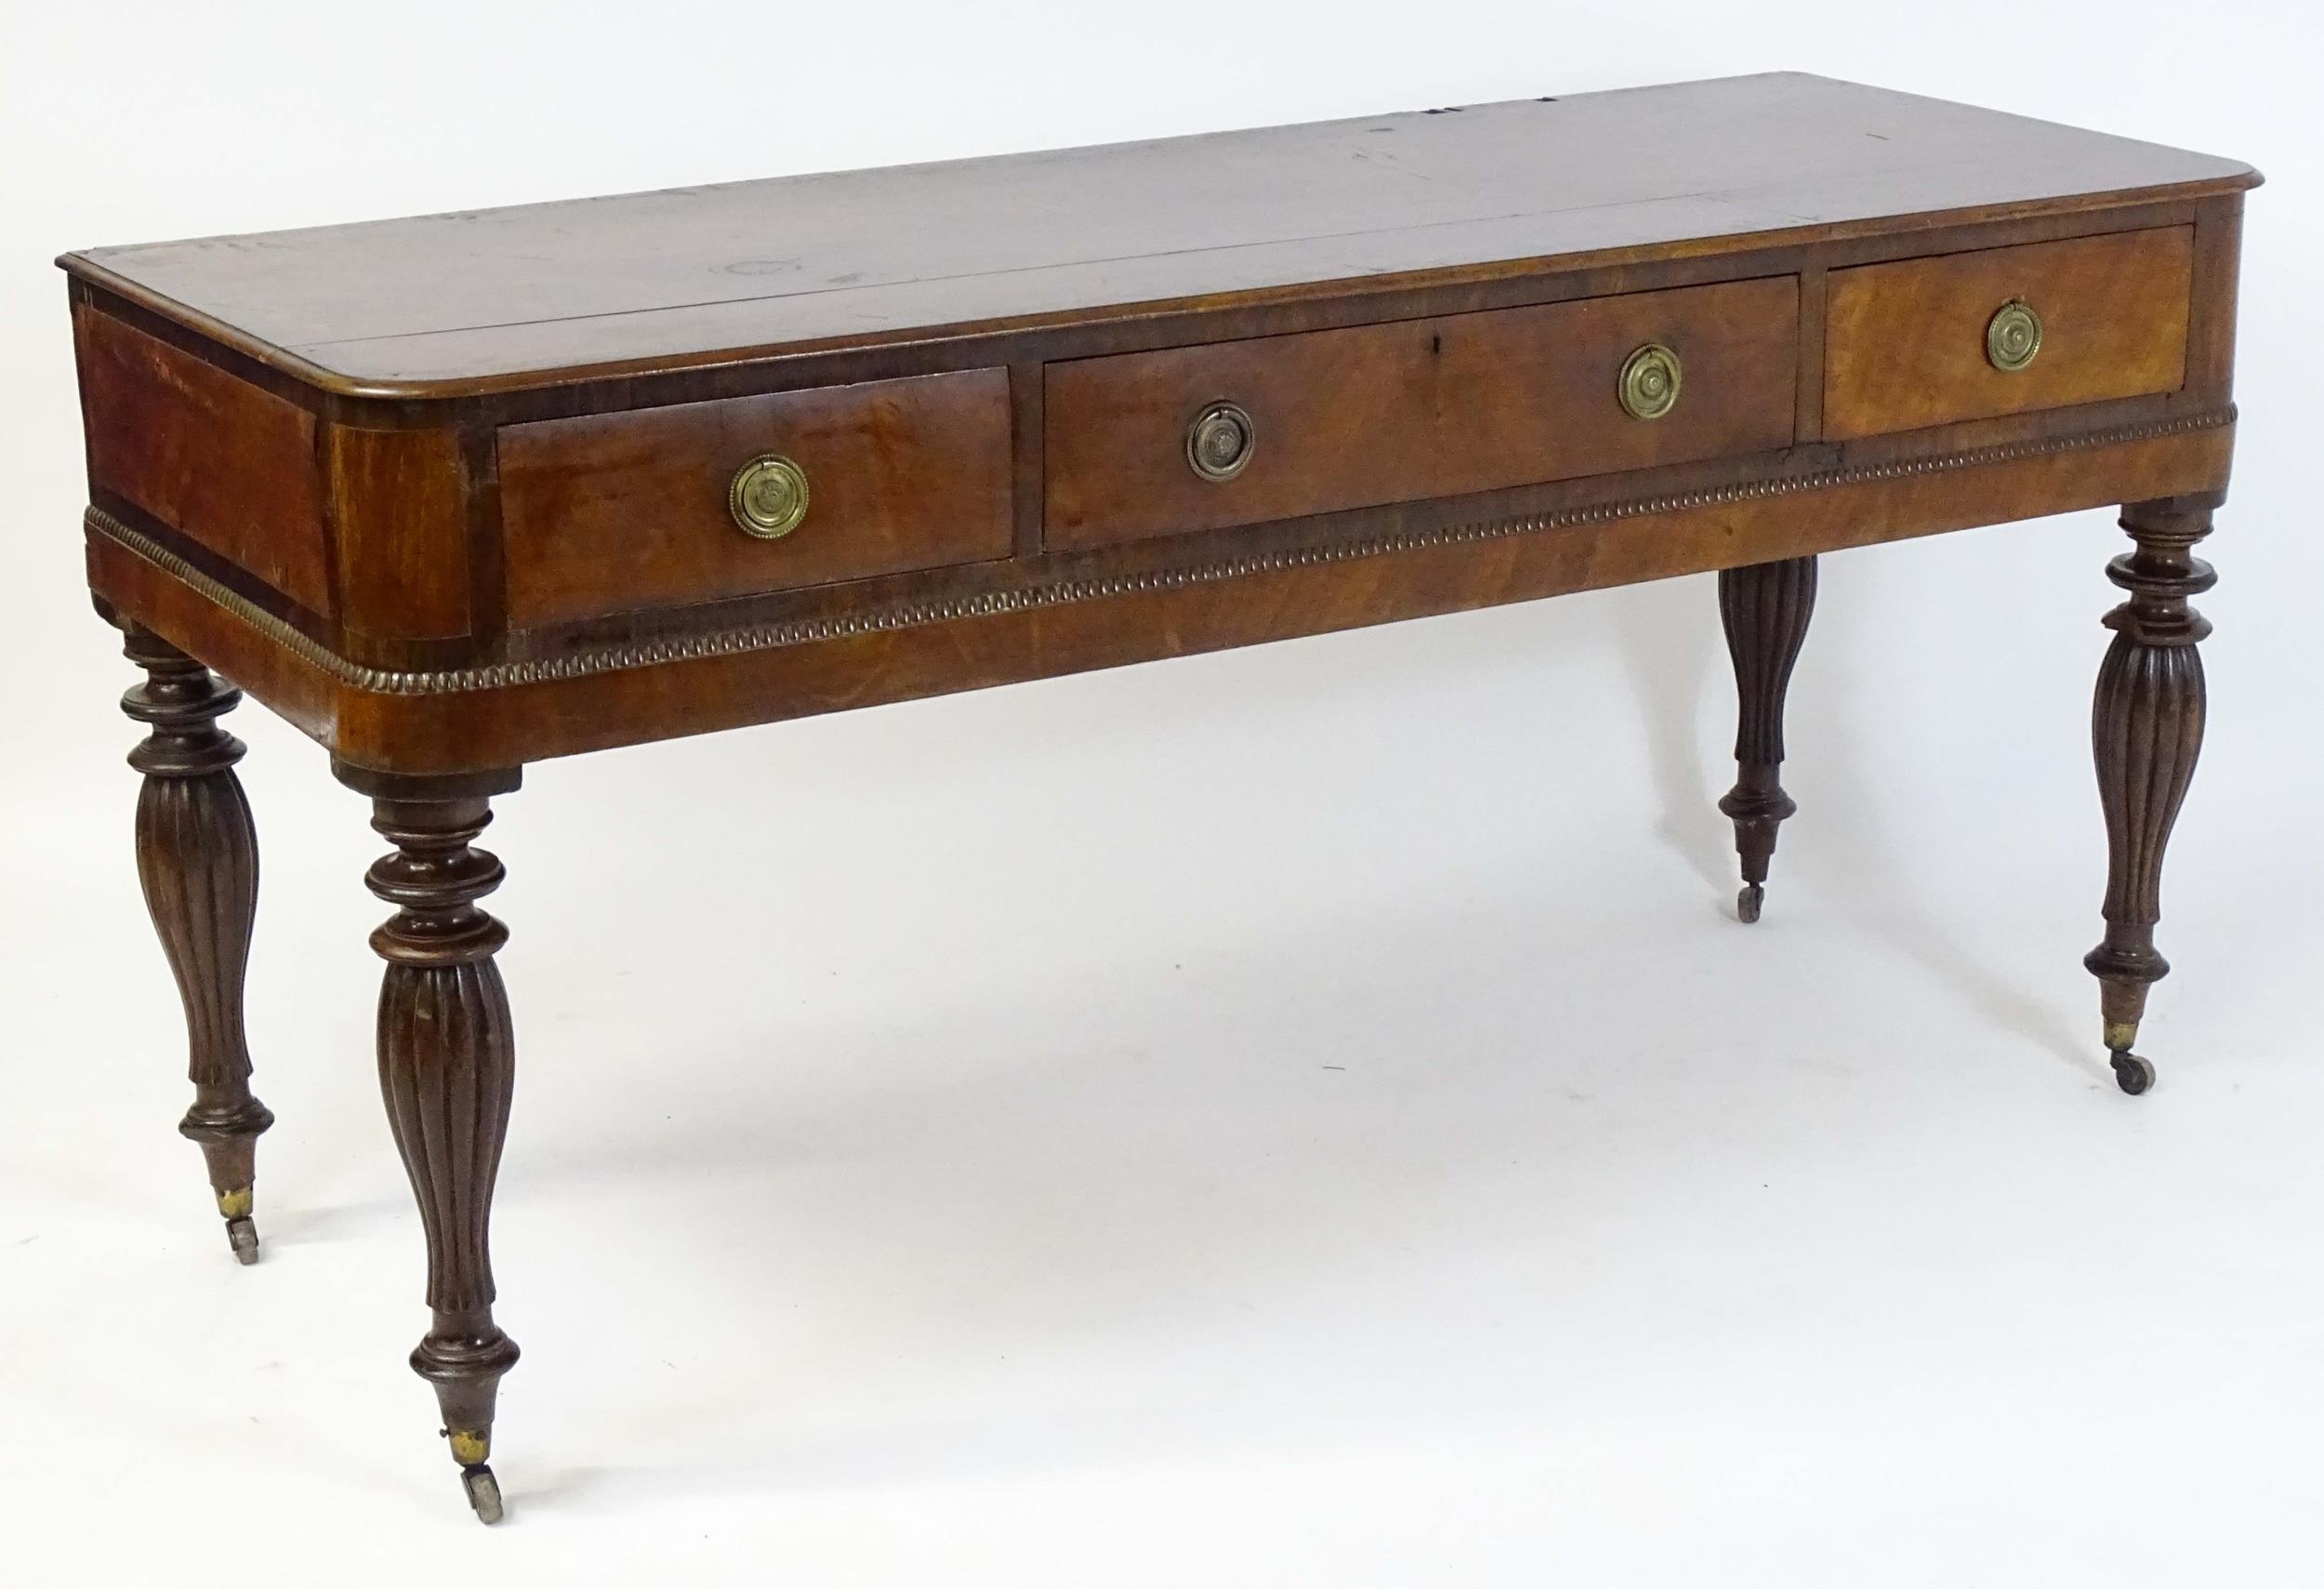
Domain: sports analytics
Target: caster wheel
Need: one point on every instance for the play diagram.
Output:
(1747, 904)
(2132, 1073)
(483, 1491)
(242, 1232)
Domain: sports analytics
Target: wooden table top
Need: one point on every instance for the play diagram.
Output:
(458, 304)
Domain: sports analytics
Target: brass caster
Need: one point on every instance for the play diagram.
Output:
(1747, 904)
(2132, 1073)
(242, 1232)
(483, 1491)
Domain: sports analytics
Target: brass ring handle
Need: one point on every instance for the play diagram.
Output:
(2013, 336)
(769, 496)
(1650, 387)
(1219, 441)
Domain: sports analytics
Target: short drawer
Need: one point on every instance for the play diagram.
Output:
(611, 513)
(1931, 341)
(1413, 409)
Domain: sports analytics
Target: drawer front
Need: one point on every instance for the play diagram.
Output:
(1905, 342)
(1419, 408)
(611, 513)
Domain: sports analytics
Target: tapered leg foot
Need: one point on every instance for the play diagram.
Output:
(198, 863)
(447, 1070)
(1764, 608)
(2147, 728)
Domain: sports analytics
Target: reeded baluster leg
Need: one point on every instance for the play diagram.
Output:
(2146, 725)
(1764, 608)
(446, 1066)
(198, 860)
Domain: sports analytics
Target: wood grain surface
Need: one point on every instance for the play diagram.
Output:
(1435, 407)
(227, 464)
(614, 511)
(482, 300)
(399, 521)
(1905, 342)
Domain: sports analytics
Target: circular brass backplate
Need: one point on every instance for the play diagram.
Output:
(2013, 336)
(769, 496)
(1650, 387)
(1219, 441)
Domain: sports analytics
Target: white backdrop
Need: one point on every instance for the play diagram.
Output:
(1298, 1116)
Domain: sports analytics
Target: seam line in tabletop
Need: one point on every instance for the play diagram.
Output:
(749, 637)
(1778, 223)
(1718, 196)
(303, 358)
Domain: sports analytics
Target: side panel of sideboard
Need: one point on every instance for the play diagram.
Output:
(362, 535)
(230, 465)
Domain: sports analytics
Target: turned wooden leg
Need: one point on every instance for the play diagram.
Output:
(198, 860)
(1764, 608)
(2145, 726)
(446, 1066)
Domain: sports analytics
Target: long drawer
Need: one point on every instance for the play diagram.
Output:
(1140, 445)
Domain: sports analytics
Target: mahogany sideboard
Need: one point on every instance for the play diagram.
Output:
(459, 493)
